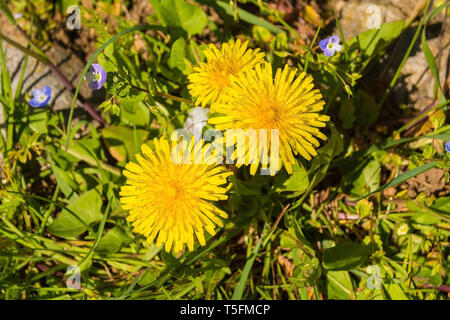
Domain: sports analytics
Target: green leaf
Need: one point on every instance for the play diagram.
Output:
(429, 55)
(428, 152)
(345, 256)
(437, 212)
(179, 13)
(134, 112)
(425, 275)
(87, 148)
(368, 110)
(298, 181)
(261, 34)
(87, 209)
(339, 285)
(224, 7)
(442, 204)
(108, 60)
(178, 56)
(373, 41)
(347, 113)
(403, 177)
(120, 141)
(112, 241)
(65, 182)
(321, 162)
(367, 179)
(244, 188)
(306, 272)
(395, 291)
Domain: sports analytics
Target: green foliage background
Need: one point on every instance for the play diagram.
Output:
(285, 238)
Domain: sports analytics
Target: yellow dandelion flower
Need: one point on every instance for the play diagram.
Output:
(170, 201)
(222, 66)
(286, 102)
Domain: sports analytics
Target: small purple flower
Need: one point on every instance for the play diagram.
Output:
(96, 76)
(447, 146)
(40, 97)
(330, 45)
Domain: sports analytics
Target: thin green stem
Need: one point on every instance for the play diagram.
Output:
(164, 95)
(420, 117)
(49, 210)
(305, 69)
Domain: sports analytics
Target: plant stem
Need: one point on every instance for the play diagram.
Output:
(49, 210)
(420, 117)
(163, 95)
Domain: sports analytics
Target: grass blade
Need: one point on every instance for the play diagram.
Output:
(403, 177)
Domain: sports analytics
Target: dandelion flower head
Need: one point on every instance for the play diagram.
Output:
(174, 202)
(287, 103)
(222, 66)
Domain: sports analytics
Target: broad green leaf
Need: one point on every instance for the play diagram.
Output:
(339, 285)
(38, 120)
(298, 181)
(395, 291)
(426, 275)
(306, 272)
(307, 266)
(88, 148)
(420, 215)
(244, 188)
(439, 211)
(112, 240)
(120, 141)
(442, 204)
(87, 209)
(108, 60)
(345, 256)
(179, 13)
(368, 178)
(178, 56)
(373, 41)
(134, 113)
(65, 182)
(148, 277)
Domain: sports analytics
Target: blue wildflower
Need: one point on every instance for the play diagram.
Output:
(330, 45)
(447, 146)
(96, 76)
(40, 97)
